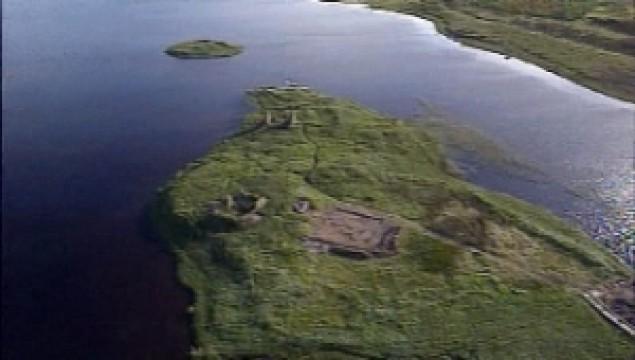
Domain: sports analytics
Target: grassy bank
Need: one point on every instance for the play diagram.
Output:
(476, 274)
(591, 42)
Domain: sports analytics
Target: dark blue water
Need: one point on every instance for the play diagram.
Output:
(95, 118)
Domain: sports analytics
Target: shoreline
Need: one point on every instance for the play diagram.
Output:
(509, 52)
(217, 257)
(551, 78)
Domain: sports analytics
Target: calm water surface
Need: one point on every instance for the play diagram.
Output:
(96, 118)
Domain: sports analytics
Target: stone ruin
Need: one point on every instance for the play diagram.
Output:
(242, 206)
(350, 232)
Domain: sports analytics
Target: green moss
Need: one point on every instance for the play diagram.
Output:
(259, 292)
(203, 49)
(587, 41)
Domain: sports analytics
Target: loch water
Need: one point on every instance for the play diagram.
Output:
(96, 118)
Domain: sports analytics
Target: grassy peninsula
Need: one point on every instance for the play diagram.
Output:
(465, 274)
(591, 42)
(203, 49)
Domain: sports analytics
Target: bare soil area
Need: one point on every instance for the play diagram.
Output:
(351, 232)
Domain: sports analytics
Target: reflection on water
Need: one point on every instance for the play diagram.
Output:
(614, 224)
(95, 118)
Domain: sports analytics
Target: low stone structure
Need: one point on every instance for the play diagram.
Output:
(351, 232)
(242, 206)
(301, 206)
(616, 303)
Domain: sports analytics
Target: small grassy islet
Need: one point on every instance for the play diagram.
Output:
(476, 275)
(203, 49)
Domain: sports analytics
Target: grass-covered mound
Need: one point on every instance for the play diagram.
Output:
(475, 275)
(203, 49)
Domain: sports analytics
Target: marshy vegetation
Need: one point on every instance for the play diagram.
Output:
(475, 274)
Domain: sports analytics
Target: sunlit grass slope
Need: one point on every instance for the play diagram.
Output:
(477, 274)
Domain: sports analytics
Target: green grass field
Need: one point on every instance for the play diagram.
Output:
(591, 42)
(478, 275)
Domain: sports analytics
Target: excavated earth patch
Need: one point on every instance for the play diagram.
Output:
(351, 232)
